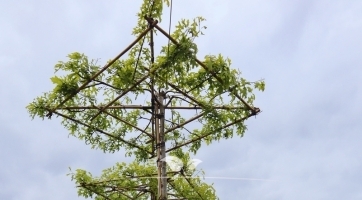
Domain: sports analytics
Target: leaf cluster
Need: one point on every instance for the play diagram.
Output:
(138, 181)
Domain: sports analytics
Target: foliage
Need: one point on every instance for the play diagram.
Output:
(176, 71)
(138, 181)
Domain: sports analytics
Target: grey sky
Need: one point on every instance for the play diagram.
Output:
(308, 136)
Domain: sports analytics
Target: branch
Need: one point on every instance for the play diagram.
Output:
(173, 123)
(193, 187)
(106, 84)
(183, 124)
(121, 190)
(103, 132)
(120, 96)
(174, 187)
(176, 88)
(88, 86)
(151, 136)
(184, 100)
(198, 85)
(218, 129)
(95, 192)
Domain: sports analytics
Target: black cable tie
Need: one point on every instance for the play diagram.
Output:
(161, 144)
(49, 115)
(153, 103)
(255, 111)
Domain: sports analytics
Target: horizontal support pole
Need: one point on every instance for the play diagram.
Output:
(101, 131)
(214, 131)
(147, 107)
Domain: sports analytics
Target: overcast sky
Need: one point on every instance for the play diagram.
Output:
(307, 138)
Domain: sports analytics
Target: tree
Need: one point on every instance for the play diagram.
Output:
(97, 105)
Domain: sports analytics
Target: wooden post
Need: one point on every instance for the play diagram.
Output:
(161, 148)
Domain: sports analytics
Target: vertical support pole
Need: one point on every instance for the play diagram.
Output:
(153, 196)
(161, 151)
(163, 147)
(157, 136)
(158, 128)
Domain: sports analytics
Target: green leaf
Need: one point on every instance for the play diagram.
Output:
(56, 80)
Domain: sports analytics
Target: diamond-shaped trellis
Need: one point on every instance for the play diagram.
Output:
(174, 82)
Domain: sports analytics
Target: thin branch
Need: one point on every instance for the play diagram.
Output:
(174, 188)
(139, 129)
(120, 96)
(193, 187)
(106, 84)
(103, 132)
(211, 132)
(173, 123)
(139, 55)
(176, 88)
(176, 97)
(88, 86)
(102, 195)
(147, 127)
(169, 101)
(184, 123)
(198, 85)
